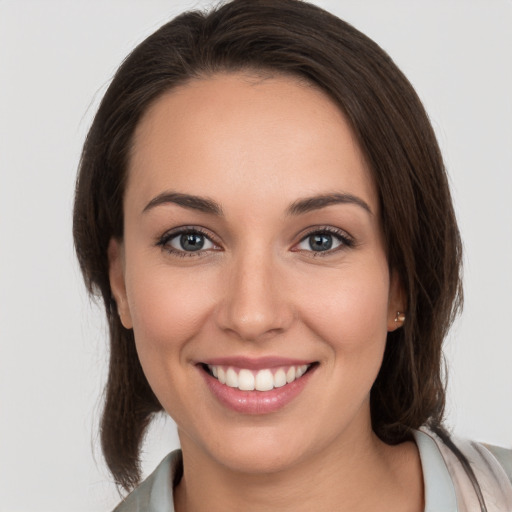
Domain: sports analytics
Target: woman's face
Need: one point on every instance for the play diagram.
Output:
(252, 252)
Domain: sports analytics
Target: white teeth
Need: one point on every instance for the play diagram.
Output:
(262, 380)
(231, 378)
(279, 378)
(301, 370)
(245, 380)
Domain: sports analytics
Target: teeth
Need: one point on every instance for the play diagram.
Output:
(262, 380)
(231, 378)
(279, 378)
(245, 380)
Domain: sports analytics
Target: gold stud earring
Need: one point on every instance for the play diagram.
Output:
(400, 317)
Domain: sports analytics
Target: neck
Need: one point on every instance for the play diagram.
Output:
(357, 473)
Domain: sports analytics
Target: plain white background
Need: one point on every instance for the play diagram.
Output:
(56, 59)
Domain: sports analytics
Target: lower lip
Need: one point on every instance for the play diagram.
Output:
(256, 402)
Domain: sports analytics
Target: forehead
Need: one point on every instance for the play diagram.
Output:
(245, 131)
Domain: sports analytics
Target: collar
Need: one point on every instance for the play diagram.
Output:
(155, 494)
(438, 484)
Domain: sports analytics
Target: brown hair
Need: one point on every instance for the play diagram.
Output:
(423, 245)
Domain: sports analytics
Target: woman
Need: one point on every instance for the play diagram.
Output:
(264, 209)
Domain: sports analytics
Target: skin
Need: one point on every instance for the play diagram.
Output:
(256, 146)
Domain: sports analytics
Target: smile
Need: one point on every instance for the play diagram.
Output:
(264, 379)
(256, 386)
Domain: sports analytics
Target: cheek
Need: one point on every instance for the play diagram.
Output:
(167, 307)
(350, 310)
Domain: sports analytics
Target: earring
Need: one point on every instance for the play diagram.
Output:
(400, 317)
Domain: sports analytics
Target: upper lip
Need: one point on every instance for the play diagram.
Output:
(255, 363)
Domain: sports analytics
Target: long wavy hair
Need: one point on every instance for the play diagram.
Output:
(284, 37)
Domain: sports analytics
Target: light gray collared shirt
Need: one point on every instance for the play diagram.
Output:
(446, 483)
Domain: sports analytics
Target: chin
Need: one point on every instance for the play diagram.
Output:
(260, 457)
(263, 449)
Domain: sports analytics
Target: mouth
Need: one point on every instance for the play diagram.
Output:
(259, 386)
(263, 380)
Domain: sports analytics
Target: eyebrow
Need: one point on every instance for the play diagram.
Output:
(299, 207)
(309, 204)
(201, 204)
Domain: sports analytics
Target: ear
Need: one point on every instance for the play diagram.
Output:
(397, 304)
(117, 281)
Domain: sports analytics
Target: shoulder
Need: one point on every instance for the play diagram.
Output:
(155, 493)
(503, 456)
(479, 473)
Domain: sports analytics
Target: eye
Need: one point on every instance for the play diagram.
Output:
(325, 240)
(186, 241)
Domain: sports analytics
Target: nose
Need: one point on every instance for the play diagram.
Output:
(254, 305)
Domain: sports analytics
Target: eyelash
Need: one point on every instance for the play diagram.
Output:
(164, 240)
(346, 241)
